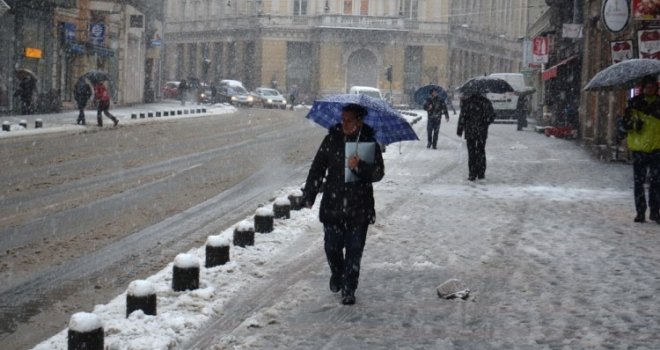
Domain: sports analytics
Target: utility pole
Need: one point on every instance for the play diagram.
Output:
(388, 76)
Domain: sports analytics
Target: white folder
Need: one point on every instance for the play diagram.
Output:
(365, 150)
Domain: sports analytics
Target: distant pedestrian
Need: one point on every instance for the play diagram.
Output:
(435, 107)
(102, 98)
(293, 95)
(81, 93)
(183, 91)
(642, 120)
(476, 115)
(347, 209)
(26, 89)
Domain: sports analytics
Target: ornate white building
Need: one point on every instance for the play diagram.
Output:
(326, 46)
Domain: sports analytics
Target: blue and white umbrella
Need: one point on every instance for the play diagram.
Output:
(387, 122)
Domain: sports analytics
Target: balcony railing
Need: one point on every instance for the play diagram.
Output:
(309, 22)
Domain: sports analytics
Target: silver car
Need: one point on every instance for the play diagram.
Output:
(269, 98)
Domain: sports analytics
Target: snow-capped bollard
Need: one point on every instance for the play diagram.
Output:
(282, 208)
(203, 110)
(133, 115)
(179, 112)
(150, 114)
(186, 273)
(263, 220)
(158, 114)
(142, 115)
(296, 199)
(141, 295)
(23, 123)
(186, 111)
(199, 110)
(85, 332)
(6, 126)
(217, 251)
(38, 123)
(244, 234)
(166, 114)
(172, 113)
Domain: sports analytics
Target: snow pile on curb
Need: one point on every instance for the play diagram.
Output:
(182, 314)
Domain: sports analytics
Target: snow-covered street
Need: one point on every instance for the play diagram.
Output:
(546, 244)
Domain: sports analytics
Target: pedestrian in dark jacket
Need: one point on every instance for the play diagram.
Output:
(182, 90)
(347, 209)
(102, 98)
(25, 91)
(642, 121)
(81, 93)
(476, 115)
(436, 107)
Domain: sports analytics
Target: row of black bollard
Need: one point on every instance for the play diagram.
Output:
(144, 115)
(6, 125)
(86, 329)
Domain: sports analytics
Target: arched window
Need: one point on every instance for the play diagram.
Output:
(364, 7)
(348, 7)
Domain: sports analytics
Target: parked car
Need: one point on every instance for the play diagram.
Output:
(235, 95)
(171, 90)
(269, 98)
(512, 105)
(366, 90)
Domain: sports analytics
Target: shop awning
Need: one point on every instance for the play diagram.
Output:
(551, 72)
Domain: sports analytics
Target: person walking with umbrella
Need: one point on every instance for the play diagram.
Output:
(81, 93)
(102, 98)
(476, 115)
(436, 107)
(642, 120)
(347, 208)
(26, 89)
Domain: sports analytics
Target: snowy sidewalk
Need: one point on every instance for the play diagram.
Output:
(546, 244)
(66, 120)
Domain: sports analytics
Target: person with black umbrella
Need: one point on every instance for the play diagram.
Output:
(476, 115)
(642, 122)
(347, 208)
(81, 93)
(436, 107)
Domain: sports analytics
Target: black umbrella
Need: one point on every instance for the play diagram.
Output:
(24, 73)
(624, 74)
(424, 92)
(96, 76)
(482, 85)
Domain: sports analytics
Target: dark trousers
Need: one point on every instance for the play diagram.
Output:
(432, 130)
(476, 158)
(643, 164)
(351, 238)
(104, 109)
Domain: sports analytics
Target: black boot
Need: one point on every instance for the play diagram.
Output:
(347, 297)
(336, 282)
(640, 217)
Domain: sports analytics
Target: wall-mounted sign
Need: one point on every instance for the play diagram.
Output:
(621, 50)
(648, 42)
(31, 52)
(69, 32)
(571, 31)
(540, 49)
(97, 33)
(137, 21)
(645, 9)
(615, 14)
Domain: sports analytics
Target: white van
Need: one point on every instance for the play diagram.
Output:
(512, 105)
(366, 90)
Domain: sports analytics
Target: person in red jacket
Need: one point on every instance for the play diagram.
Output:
(102, 98)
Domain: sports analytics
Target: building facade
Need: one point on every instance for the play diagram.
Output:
(60, 40)
(327, 46)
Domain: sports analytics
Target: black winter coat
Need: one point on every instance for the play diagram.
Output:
(436, 107)
(343, 202)
(81, 93)
(477, 114)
